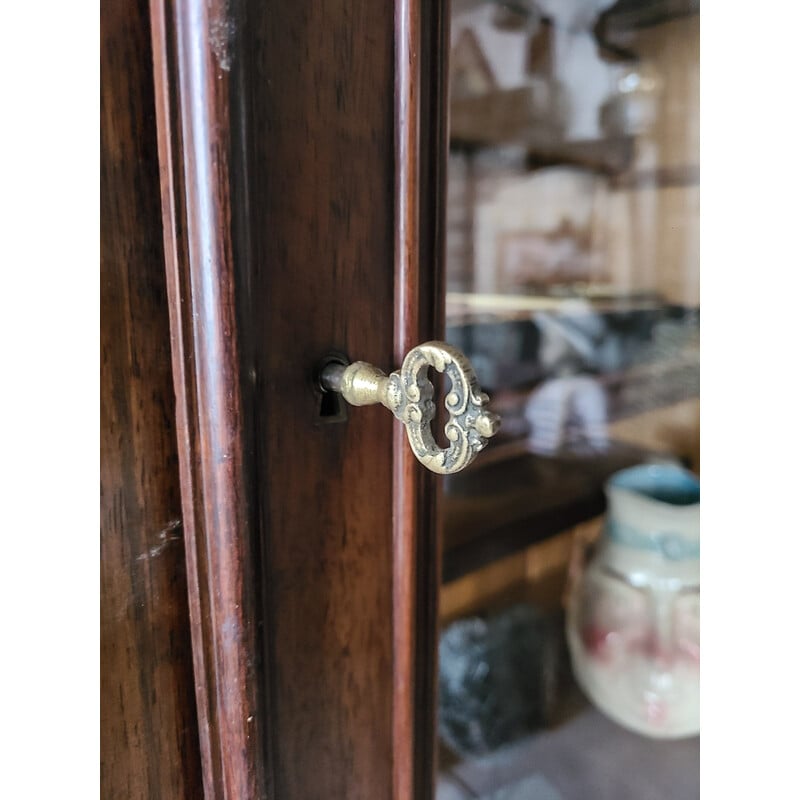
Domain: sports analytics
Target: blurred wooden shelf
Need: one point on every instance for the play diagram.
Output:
(511, 117)
(608, 156)
(497, 117)
(616, 29)
(463, 306)
(503, 505)
(630, 15)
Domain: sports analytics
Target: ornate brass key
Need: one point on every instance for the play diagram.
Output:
(408, 394)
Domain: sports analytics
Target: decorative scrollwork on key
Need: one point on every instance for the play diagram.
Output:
(408, 394)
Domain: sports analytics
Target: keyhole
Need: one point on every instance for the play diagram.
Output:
(332, 406)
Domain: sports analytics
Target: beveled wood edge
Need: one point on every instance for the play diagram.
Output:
(421, 84)
(171, 178)
(406, 327)
(192, 115)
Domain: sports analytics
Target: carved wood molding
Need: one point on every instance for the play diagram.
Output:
(193, 48)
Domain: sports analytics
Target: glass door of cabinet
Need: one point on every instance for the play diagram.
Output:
(572, 284)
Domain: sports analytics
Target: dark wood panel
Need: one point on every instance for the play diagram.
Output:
(319, 144)
(148, 724)
(332, 144)
(292, 166)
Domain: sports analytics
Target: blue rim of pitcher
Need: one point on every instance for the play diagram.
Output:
(666, 483)
(671, 546)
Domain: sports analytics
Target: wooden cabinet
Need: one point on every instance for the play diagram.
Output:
(273, 188)
(271, 191)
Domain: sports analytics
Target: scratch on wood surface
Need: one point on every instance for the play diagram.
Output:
(222, 30)
(169, 533)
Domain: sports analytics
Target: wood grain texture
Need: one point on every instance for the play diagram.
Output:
(285, 174)
(322, 157)
(194, 45)
(318, 139)
(148, 724)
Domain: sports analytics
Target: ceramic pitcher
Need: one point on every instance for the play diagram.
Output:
(633, 622)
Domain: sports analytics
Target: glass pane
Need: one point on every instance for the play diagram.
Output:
(573, 287)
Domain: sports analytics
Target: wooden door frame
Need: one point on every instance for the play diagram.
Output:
(204, 74)
(148, 719)
(193, 124)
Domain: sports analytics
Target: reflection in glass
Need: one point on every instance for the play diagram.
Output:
(573, 287)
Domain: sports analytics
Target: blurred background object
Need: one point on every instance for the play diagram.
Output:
(633, 624)
(573, 287)
(497, 678)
